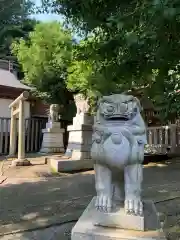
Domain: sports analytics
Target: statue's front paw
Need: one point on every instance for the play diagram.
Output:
(103, 203)
(133, 207)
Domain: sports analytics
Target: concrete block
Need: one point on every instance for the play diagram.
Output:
(67, 165)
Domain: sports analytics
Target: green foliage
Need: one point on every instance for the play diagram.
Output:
(136, 43)
(78, 76)
(14, 23)
(80, 73)
(9, 33)
(79, 80)
(44, 58)
(167, 96)
(14, 12)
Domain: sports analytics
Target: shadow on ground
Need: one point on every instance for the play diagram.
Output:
(33, 204)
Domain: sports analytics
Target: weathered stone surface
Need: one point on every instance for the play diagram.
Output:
(52, 149)
(54, 113)
(80, 137)
(118, 212)
(117, 149)
(82, 105)
(54, 125)
(80, 132)
(86, 229)
(52, 138)
(82, 119)
(119, 219)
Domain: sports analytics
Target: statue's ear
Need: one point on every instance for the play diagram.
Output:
(98, 102)
(138, 103)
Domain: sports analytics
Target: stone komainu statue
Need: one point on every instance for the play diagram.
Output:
(54, 113)
(118, 143)
(81, 104)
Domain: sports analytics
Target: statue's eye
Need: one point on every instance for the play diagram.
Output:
(123, 107)
(110, 108)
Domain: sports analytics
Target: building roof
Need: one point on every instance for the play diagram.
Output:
(8, 79)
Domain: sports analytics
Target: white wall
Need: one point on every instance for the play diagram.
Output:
(5, 111)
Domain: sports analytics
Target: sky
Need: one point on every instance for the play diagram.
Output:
(46, 17)
(50, 17)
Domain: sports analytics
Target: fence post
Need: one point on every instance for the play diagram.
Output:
(21, 138)
(173, 138)
(12, 148)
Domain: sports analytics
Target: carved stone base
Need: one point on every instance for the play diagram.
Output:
(52, 139)
(20, 162)
(79, 146)
(52, 150)
(119, 219)
(86, 229)
(80, 140)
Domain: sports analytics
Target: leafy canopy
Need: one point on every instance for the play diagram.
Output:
(15, 11)
(79, 71)
(44, 58)
(14, 23)
(136, 43)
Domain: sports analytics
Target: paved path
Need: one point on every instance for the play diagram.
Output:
(30, 204)
(62, 232)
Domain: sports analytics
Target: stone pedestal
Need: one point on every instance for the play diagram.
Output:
(80, 137)
(117, 225)
(52, 138)
(60, 164)
(77, 156)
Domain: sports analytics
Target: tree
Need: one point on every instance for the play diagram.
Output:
(167, 99)
(9, 33)
(45, 58)
(79, 71)
(136, 43)
(14, 12)
(14, 23)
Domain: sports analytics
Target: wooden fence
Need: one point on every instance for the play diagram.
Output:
(161, 139)
(33, 137)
